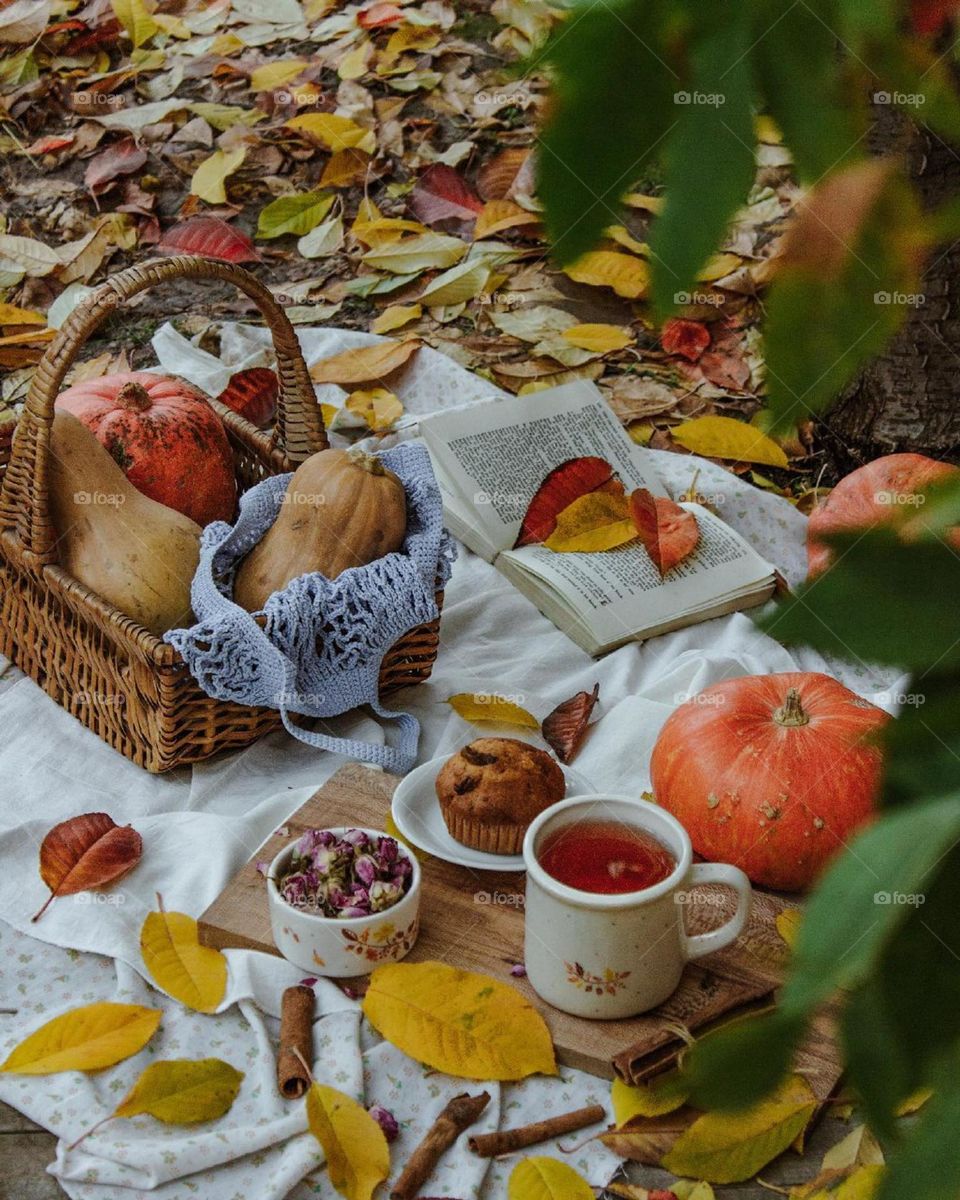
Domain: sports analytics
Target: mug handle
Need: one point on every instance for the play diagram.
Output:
(699, 944)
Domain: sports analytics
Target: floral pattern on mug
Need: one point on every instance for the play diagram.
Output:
(607, 984)
(381, 942)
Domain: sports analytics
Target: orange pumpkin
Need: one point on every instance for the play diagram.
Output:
(772, 773)
(166, 438)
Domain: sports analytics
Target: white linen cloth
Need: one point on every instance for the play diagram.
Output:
(200, 826)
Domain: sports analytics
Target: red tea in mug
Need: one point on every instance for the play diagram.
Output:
(605, 857)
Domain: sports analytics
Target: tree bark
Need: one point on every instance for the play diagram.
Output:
(909, 397)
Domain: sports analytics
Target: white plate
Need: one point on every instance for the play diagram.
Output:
(416, 811)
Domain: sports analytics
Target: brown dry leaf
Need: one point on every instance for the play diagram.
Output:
(597, 521)
(498, 178)
(565, 728)
(363, 364)
(86, 852)
(669, 532)
(633, 398)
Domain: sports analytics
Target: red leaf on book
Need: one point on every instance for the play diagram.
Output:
(210, 237)
(668, 531)
(566, 483)
(564, 729)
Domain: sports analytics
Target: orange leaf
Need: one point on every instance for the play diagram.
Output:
(668, 531)
(501, 214)
(86, 852)
(364, 363)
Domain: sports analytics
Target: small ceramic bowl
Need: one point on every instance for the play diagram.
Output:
(341, 947)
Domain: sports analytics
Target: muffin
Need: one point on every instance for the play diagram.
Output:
(491, 790)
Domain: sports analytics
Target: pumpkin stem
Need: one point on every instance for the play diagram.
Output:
(134, 397)
(369, 462)
(791, 714)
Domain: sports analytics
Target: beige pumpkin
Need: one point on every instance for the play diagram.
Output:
(137, 554)
(342, 509)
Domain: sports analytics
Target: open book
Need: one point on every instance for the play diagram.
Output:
(491, 458)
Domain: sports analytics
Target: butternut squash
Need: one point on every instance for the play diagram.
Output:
(342, 508)
(137, 554)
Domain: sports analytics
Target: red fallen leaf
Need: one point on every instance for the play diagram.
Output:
(688, 338)
(253, 394)
(566, 483)
(106, 167)
(210, 237)
(928, 17)
(378, 15)
(86, 852)
(51, 143)
(442, 197)
(668, 531)
(564, 728)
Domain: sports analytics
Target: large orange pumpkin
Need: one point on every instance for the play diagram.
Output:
(167, 439)
(772, 773)
(883, 492)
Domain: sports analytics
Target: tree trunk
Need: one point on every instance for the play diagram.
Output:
(909, 397)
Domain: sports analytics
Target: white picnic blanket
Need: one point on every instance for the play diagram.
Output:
(199, 827)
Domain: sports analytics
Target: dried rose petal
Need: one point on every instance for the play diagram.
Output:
(518, 971)
(565, 727)
(350, 876)
(386, 1120)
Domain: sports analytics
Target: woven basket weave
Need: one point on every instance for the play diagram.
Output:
(122, 682)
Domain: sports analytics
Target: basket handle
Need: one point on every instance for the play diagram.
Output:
(299, 430)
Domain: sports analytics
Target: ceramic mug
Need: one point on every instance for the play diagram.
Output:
(610, 956)
(341, 947)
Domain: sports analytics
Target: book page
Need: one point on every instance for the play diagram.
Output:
(619, 593)
(496, 455)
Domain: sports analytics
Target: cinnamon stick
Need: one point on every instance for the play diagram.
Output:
(458, 1115)
(490, 1145)
(296, 1042)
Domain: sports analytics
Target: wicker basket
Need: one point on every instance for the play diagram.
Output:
(129, 687)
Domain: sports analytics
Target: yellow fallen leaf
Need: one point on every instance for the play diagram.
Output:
(193, 974)
(11, 315)
(858, 1149)
(363, 364)
(643, 1100)
(210, 177)
(429, 251)
(345, 168)
(730, 1147)
(468, 1025)
(601, 339)
(863, 1184)
(641, 432)
(84, 1039)
(460, 283)
(788, 925)
(274, 75)
(692, 1189)
(334, 132)
(405, 39)
(136, 19)
(172, 25)
(718, 266)
(38, 335)
(726, 437)
(628, 276)
(487, 706)
(358, 1158)
(914, 1102)
(378, 230)
(497, 215)
(623, 237)
(354, 62)
(183, 1091)
(395, 316)
(293, 214)
(650, 204)
(329, 414)
(594, 522)
(27, 254)
(767, 130)
(379, 408)
(542, 1178)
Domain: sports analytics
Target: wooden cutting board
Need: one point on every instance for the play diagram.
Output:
(474, 920)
